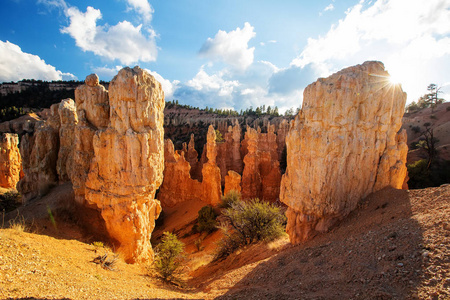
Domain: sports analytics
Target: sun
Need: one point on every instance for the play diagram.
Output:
(393, 79)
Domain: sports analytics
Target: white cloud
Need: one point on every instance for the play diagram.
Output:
(204, 82)
(224, 89)
(410, 37)
(123, 41)
(330, 7)
(17, 65)
(231, 47)
(143, 8)
(106, 73)
(168, 86)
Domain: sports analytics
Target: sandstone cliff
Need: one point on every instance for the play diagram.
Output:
(10, 160)
(342, 146)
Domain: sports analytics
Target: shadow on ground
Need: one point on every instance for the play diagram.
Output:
(375, 253)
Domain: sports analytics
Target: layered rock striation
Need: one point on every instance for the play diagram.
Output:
(343, 145)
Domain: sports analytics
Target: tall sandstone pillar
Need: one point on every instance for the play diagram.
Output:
(342, 146)
(126, 167)
(10, 160)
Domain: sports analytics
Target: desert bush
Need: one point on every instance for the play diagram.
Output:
(19, 224)
(198, 244)
(415, 129)
(206, 220)
(105, 262)
(10, 201)
(230, 198)
(169, 256)
(421, 177)
(250, 222)
(448, 108)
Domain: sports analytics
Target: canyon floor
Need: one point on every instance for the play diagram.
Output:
(395, 245)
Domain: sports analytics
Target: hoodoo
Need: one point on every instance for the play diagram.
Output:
(343, 145)
(128, 161)
(10, 160)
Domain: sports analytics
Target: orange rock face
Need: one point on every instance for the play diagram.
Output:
(192, 157)
(232, 182)
(342, 146)
(10, 160)
(127, 166)
(178, 186)
(261, 177)
(212, 190)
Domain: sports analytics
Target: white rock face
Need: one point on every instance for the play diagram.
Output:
(342, 146)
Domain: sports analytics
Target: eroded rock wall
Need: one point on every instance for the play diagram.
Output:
(261, 176)
(39, 154)
(10, 160)
(342, 146)
(178, 186)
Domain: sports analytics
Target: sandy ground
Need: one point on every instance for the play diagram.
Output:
(395, 245)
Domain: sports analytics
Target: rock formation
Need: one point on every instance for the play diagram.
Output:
(211, 183)
(68, 118)
(232, 182)
(228, 152)
(178, 186)
(127, 166)
(10, 160)
(39, 154)
(261, 176)
(92, 106)
(192, 157)
(342, 146)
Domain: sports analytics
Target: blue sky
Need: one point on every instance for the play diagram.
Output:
(227, 53)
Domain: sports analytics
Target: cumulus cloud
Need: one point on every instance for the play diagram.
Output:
(124, 41)
(410, 37)
(231, 47)
(168, 86)
(17, 65)
(107, 73)
(143, 8)
(224, 89)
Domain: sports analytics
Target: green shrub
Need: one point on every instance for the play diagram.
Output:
(169, 256)
(230, 198)
(10, 201)
(250, 222)
(415, 129)
(206, 221)
(421, 177)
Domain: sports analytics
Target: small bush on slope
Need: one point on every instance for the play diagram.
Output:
(206, 220)
(230, 198)
(250, 222)
(169, 256)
